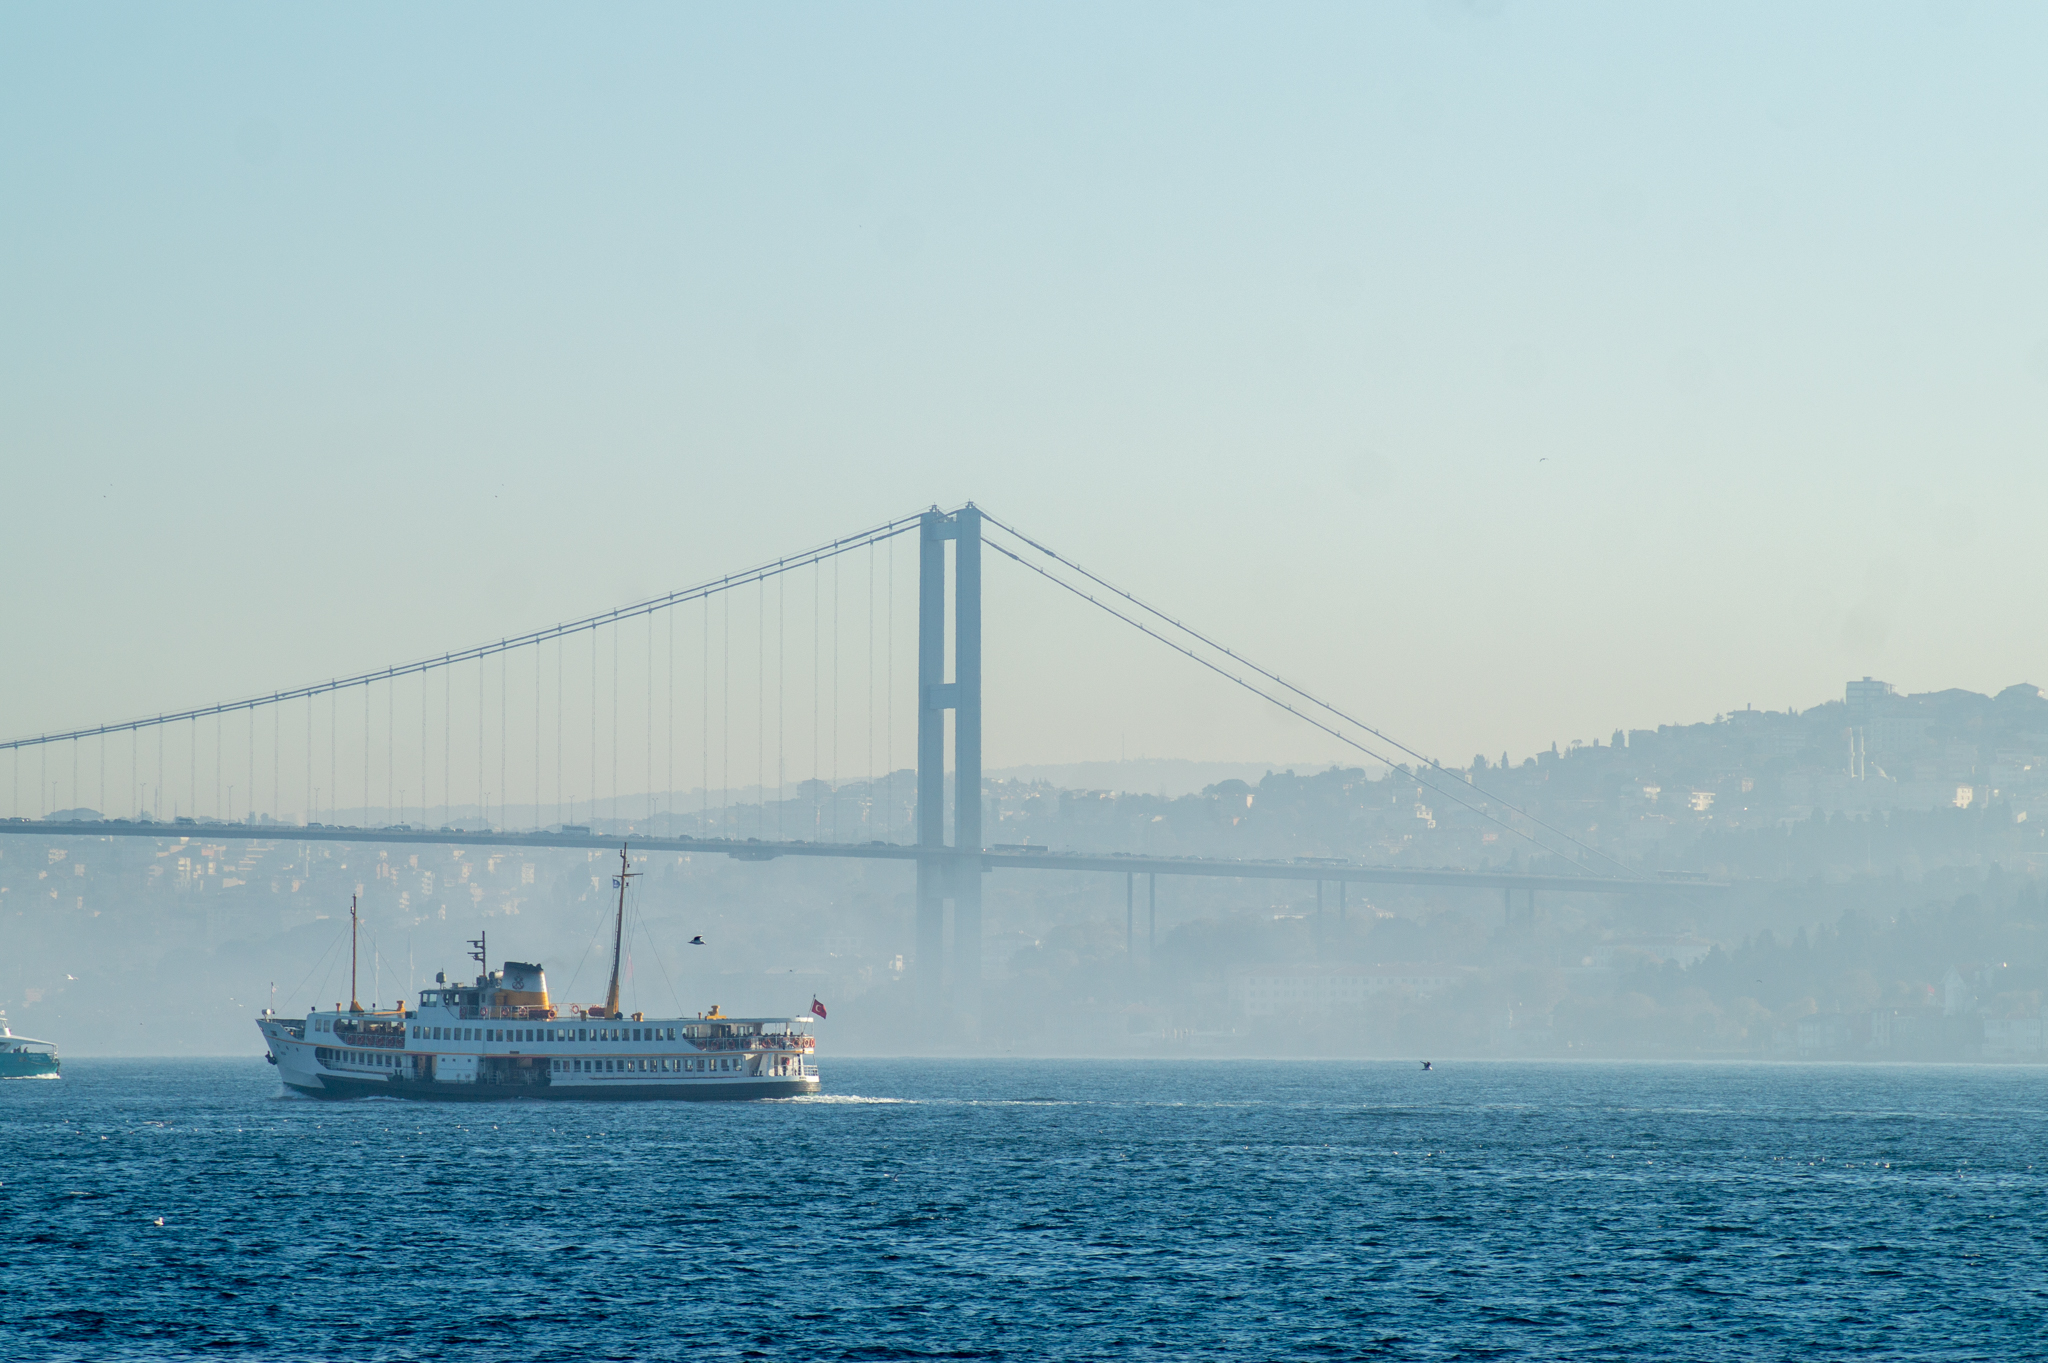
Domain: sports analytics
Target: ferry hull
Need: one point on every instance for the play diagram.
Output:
(302, 1069)
(27, 1065)
(336, 1086)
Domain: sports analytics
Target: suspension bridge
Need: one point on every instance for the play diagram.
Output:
(299, 798)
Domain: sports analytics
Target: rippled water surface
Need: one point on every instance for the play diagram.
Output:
(1031, 1209)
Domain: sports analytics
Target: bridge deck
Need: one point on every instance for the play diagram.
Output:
(749, 849)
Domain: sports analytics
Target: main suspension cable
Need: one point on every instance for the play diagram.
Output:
(1278, 680)
(1310, 719)
(815, 555)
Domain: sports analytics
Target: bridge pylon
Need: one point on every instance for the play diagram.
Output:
(949, 872)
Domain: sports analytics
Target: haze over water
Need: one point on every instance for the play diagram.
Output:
(1027, 1209)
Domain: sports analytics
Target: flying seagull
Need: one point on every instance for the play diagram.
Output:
(696, 941)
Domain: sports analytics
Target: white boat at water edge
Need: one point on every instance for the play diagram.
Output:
(24, 1057)
(502, 1037)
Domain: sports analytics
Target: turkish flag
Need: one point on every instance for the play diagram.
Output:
(817, 1007)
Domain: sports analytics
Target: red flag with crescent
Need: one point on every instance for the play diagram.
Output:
(817, 1007)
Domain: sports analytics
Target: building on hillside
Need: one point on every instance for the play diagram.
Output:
(1824, 1035)
(1684, 948)
(1286, 990)
(2017, 1036)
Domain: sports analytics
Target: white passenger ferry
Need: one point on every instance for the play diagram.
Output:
(24, 1057)
(503, 1038)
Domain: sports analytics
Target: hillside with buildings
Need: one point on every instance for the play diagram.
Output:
(1882, 855)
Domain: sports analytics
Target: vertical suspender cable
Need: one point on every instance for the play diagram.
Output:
(649, 735)
(613, 806)
(817, 678)
(537, 820)
(868, 816)
(835, 698)
(592, 819)
(725, 828)
(889, 700)
(761, 709)
(781, 652)
(669, 799)
(561, 646)
(504, 724)
(704, 728)
(483, 813)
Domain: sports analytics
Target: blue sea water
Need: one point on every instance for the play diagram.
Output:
(1040, 1209)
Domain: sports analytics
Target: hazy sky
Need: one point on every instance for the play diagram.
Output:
(1512, 373)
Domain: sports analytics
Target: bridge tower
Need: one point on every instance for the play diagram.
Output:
(949, 872)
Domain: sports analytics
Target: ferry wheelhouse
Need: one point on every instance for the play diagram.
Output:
(502, 1037)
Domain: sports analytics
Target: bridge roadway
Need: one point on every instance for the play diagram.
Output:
(992, 859)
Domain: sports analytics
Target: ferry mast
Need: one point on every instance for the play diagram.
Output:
(353, 1005)
(611, 998)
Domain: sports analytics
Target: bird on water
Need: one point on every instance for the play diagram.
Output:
(1426, 1065)
(696, 941)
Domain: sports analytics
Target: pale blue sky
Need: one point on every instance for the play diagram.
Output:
(1513, 373)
